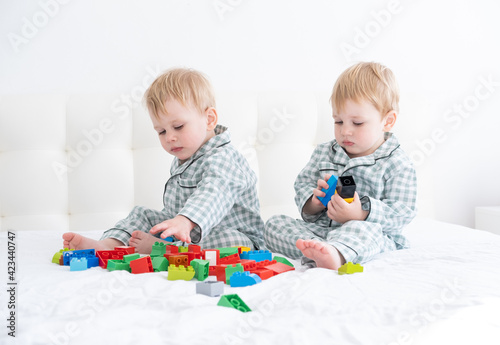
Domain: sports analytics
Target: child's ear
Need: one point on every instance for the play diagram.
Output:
(212, 118)
(389, 120)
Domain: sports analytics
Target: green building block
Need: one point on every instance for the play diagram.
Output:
(118, 265)
(226, 251)
(160, 263)
(180, 272)
(130, 257)
(283, 260)
(233, 301)
(201, 268)
(57, 256)
(183, 249)
(350, 268)
(231, 269)
(158, 249)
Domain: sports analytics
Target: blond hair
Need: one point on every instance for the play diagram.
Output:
(367, 81)
(187, 86)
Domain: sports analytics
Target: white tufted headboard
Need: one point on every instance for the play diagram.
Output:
(81, 162)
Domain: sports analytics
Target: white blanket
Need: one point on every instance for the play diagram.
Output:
(445, 289)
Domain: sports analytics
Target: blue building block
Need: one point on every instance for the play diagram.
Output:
(257, 255)
(332, 186)
(92, 261)
(78, 264)
(239, 279)
(83, 253)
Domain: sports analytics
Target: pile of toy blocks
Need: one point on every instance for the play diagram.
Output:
(236, 266)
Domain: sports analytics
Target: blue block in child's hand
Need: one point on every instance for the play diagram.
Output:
(332, 185)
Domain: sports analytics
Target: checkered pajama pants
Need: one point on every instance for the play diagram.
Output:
(358, 241)
(143, 219)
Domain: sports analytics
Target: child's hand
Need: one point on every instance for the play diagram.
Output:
(179, 226)
(341, 211)
(314, 206)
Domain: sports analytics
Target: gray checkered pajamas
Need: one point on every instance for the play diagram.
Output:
(387, 186)
(215, 189)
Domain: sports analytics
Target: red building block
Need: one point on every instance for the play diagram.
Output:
(105, 255)
(220, 272)
(263, 273)
(128, 249)
(212, 271)
(248, 265)
(262, 264)
(171, 249)
(194, 248)
(230, 259)
(279, 267)
(212, 255)
(142, 265)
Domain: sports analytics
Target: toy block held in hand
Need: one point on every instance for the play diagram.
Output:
(330, 191)
(350, 268)
(346, 188)
(233, 301)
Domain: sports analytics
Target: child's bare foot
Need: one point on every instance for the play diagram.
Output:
(77, 241)
(143, 242)
(324, 254)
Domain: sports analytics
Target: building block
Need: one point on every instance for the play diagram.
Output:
(242, 249)
(248, 265)
(279, 268)
(233, 301)
(212, 271)
(169, 239)
(257, 255)
(142, 265)
(220, 272)
(263, 264)
(178, 260)
(160, 263)
(126, 249)
(201, 268)
(230, 269)
(226, 251)
(118, 265)
(194, 248)
(283, 260)
(346, 188)
(330, 191)
(78, 264)
(170, 248)
(263, 273)
(350, 268)
(210, 288)
(230, 259)
(159, 249)
(183, 249)
(92, 261)
(212, 255)
(58, 255)
(105, 255)
(130, 257)
(240, 279)
(83, 253)
(180, 272)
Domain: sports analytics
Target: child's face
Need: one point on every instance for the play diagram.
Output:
(359, 128)
(183, 130)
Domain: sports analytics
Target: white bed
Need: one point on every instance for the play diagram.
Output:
(445, 289)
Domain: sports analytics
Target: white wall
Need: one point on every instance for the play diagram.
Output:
(445, 54)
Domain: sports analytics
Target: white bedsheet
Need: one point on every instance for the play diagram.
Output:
(444, 290)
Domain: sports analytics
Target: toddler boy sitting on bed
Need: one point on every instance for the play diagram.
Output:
(210, 198)
(365, 106)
